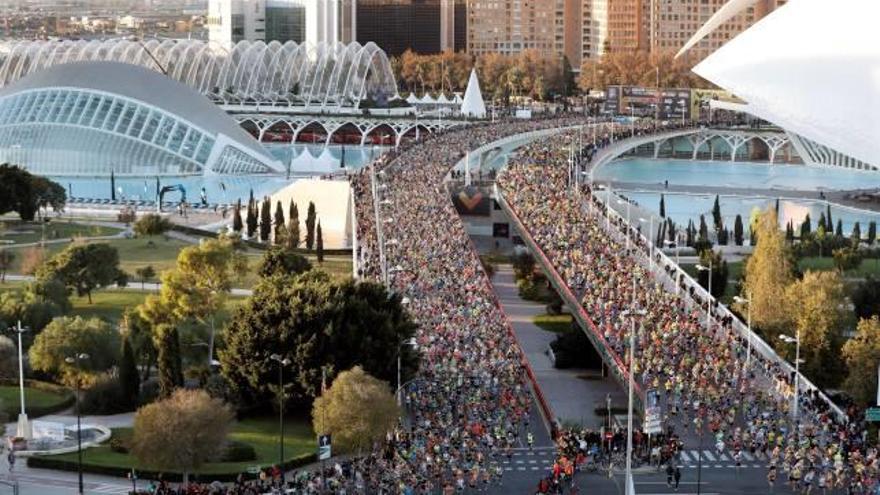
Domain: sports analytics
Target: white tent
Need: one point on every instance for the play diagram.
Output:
(811, 69)
(443, 100)
(457, 100)
(412, 99)
(427, 100)
(473, 104)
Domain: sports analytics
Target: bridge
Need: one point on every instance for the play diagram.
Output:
(755, 145)
(319, 129)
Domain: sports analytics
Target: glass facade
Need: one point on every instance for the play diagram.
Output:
(417, 25)
(81, 132)
(285, 21)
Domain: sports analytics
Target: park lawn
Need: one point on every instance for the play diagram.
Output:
(34, 399)
(261, 433)
(867, 267)
(560, 323)
(109, 304)
(56, 229)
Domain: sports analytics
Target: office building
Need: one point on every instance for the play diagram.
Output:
(231, 21)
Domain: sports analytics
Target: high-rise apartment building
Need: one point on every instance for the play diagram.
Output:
(424, 26)
(511, 26)
(231, 21)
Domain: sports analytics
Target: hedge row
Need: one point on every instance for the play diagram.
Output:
(50, 462)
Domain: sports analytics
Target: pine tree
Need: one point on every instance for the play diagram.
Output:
(265, 220)
(129, 379)
(872, 232)
(310, 226)
(839, 230)
(716, 214)
(279, 223)
(856, 235)
(319, 244)
(738, 230)
(169, 361)
(237, 225)
(293, 227)
(662, 207)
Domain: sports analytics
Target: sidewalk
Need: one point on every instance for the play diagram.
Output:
(573, 395)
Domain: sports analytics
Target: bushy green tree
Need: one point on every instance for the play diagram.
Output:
(84, 268)
(25, 194)
(145, 273)
(281, 261)
(720, 272)
(861, 355)
(769, 270)
(151, 224)
(68, 336)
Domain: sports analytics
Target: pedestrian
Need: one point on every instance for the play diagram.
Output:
(670, 471)
(530, 439)
(677, 477)
(771, 477)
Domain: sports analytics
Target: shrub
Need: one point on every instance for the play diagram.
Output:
(569, 349)
(104, 397)
(527, 289)
(238, 452)
(151, 224)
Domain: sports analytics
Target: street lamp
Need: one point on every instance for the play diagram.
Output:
(796, 340)
(629, 418)
(748, 302)
(77, 360)
(409, 342)
(24, 429)
(282, 362)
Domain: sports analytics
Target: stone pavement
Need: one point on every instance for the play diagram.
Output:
(572, 395)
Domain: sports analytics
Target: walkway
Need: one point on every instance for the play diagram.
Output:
(573, 395)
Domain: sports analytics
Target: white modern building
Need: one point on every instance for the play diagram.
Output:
(231, 21)
(331, 21)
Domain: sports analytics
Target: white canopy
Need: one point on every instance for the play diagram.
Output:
(427, 100)
(473, 104)
(457, 100)
(443, 100)
(412, 99)
(811, 69)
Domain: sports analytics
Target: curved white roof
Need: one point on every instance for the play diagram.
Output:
(140, 84)
(813, 69)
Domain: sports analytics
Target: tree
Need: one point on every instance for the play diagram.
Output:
(139, 333)
(6, 259)
(662, 207)
(67, 336)
(861, 355)
(181, 432)
(32, 259)
(281, 261)
(84, 268)
(806, 229)
(251, 219)
(237, 224)
(279, 223)
(738, 230)
(150, 225)
(25, 194)
(769, 270)
(704, 230)
(818, 313)
(866, 298)
(145, 273)
(716, 214)
(265, 220)
(129, 380)
(310, 226)
(293, 227)
(822, 223)
(720, 272)
(357, 410)
(846, 259)
(838, 232)
(319, 244)
(48, 193)
(828, 217)
(856, 235)
(8, 359)
(316, 322)
(169, 361)
(689, 240)
(872, 232)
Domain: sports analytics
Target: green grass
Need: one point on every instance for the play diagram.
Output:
(553, 323)
(19, 232)
(261, 433)
(110, 304)
(867, 267)
(33, 398)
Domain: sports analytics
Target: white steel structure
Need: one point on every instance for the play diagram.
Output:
(811, 67)
(315, 78)
(94, 118)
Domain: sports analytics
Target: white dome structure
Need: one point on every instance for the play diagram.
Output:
(473, 104)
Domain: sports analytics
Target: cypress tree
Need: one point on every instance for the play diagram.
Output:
(806, 228)
(310, 226)
(661, 230)
(265, 220)
(237, 224)
(716, 215)
(822, 223)
(789, 232)
(293, 227)
(169, 362)
(704, 229)
(279, 223)
(872, 232)
(738, 230)
(828, 218)
(689, 240)
(319, 244)
(776, 208)
(129, 379)
(839, 230)
(856, 235)
(662, 207)
(251, 219)
(670, 230)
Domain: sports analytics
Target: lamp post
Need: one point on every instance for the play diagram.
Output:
(748, 302)
(796, 340)
(282, 362)
(24, 428)
(409, 342)
(629, 417)
(77, 360)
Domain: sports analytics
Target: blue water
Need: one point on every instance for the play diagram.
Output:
(304, 160)
(682, 207)
(737, 175)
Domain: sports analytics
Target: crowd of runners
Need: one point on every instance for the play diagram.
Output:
(702, 375)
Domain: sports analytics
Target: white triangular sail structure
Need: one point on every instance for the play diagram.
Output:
(727, 12)
(811, 69)
(473, 104)
(412, 99)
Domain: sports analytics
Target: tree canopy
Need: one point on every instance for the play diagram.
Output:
(861, 354)
(357, 410)
(67, 336)
(84, 268)
(25, 194)
(769, 270)
(151, 224)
